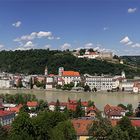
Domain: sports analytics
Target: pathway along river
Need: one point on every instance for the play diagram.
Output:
(100, 98)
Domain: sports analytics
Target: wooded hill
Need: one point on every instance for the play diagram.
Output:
(34, 62)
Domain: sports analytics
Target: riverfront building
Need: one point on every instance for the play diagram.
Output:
(101, 82)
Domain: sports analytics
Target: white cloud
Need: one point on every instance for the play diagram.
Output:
(17, 24)
(25, 46)
(125, 40)
(29, 44)
(136, 45)
(1, 46)
(22, 48)
(89, 45)
(129, 43)
(44, 34)
(132, 10)
(34, 35)
(65, 46)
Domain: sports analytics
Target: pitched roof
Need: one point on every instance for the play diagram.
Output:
(70, 73)
(32, 103)
(5, 113)
(16, 109)
(81, 126)
(113, 110)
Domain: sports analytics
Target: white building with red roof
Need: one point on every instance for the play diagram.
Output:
(6, 117)
(114, 112)
(90, 55)
(71, 76)
(32, 104)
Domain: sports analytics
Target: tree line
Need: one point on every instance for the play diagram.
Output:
(34, 62)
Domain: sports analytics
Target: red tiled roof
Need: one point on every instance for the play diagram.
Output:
(32, 103)
(16, 109)
(81, 126)
(5, 113)
(135, 123)
(92, 53)
(113, 110)
(71, 107)
(85, 104)
(92, 108)
(70, 73)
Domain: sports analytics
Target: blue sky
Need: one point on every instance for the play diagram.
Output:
(109, 25)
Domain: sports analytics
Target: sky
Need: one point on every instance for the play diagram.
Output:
(105, 25)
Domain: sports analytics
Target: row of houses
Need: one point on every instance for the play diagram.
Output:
(9, 111)
(81, 125)
(113, 113)
(50, 81)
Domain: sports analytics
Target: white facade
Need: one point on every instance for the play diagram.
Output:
(5, 83)
(51, 107)
(127, 86)
(101, 82)
(49, 79)
(49, 86)
(90, 55)
(69, 79)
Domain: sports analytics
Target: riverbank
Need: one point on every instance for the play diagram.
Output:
(69, 91)
(100, 98)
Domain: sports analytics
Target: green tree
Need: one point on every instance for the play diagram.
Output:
(3, 133)
(122, 106)
(90, 103)
(22, 125)
(79, 112)
(101, 129)
(43, 105)
(130, 110)
(118, 134)
(63, 131)
(57, 106)
(45, 122)
(125, 125)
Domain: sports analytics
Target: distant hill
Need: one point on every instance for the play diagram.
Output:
(132, 60)
(34, 62)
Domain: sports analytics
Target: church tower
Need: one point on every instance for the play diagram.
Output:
(46, 71)
(123, 74)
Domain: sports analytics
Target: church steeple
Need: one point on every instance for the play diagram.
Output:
(46, 71)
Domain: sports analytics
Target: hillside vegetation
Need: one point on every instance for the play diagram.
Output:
(132, 60)
(34, 62)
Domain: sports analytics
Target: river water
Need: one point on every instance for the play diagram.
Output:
(100, 98)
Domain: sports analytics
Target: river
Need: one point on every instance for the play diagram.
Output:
(100, 98)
